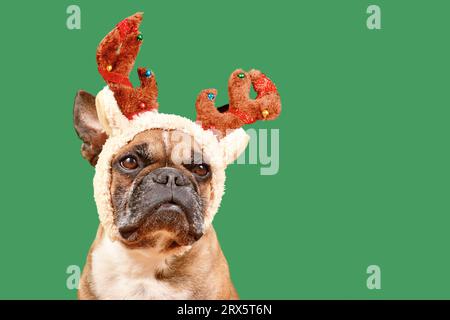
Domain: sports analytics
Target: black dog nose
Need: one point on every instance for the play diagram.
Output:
(170, 176)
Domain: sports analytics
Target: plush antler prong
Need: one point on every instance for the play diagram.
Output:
(130, 46)
(148, 82)
(241, 109)
(206, 101)
(267, 96)
(116, 55)
(207, 113)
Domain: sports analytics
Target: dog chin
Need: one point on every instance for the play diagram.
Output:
(162, 241)
(166, 229)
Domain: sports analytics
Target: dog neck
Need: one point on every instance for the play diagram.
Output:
(118, 272)
(149, 260)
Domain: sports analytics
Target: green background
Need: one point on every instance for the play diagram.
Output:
(364, 156)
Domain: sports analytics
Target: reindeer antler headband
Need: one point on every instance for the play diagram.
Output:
(117, 53)
(125, 111)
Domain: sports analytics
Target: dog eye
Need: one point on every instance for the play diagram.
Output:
(129, 163)
(200, 170)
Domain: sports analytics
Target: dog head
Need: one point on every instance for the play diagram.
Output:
(159, 178)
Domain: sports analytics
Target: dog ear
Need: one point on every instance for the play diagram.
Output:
(88, 127)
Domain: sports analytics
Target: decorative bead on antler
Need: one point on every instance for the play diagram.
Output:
(116, 55)
(241, 109)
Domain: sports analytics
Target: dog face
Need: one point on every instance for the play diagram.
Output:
(160, 188)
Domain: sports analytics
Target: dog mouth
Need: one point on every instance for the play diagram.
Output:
(169, 206)
(168, 218)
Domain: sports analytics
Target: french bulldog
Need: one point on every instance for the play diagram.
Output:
(163, 250)
(159, 178)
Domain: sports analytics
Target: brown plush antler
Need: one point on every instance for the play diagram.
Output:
(241, 109)
(116, 55)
